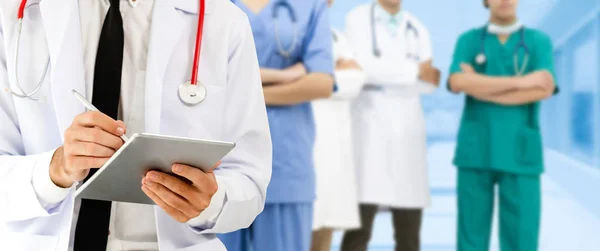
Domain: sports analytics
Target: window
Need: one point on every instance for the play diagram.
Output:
(584, 105)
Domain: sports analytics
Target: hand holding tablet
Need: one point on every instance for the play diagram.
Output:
(153, 158)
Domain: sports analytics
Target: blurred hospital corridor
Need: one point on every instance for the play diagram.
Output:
(570, 124)
(567, 223)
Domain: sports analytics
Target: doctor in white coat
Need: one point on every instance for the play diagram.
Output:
(336, 205)
(48, 143)
(394, 48)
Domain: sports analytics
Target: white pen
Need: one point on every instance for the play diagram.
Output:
(91, 107)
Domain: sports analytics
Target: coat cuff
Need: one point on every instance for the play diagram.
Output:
(48, 193)
(208, 218)
(404, 75)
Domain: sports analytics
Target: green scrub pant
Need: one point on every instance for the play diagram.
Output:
(519, 216)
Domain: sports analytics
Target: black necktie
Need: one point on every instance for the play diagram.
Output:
(91, 233)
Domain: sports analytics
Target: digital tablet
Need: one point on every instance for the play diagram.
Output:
(120, 179)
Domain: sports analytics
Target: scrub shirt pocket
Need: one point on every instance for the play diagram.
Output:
(472, 146)
(529, 147)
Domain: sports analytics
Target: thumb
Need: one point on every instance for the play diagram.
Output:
(216, 165)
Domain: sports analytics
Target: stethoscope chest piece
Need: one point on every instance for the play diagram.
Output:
(192, 94)
(480, 59)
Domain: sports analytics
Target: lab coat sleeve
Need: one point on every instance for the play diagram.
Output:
(317, 53)
(426, 54)
(48, 193)
(359, 34)
(246, 171)
(349, 82)
(18, 196)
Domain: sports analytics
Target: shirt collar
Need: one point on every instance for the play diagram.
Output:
(382, 15)
(133, 3)
(191, 6)
(503, 30)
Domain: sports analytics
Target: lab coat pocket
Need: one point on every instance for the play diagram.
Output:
(529, 147)
(28, 242)
(472, 145)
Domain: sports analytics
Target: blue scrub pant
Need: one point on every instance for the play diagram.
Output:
(280, 227)
(519, 210)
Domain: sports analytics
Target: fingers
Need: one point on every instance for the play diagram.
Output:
(92, 119)
(170, 210)
(172, 183)
(88, 149)
(172, 199)
(216, 165)
(83, 163)
(427, 63)
(302, 67)
(195, 175)
(354, 64)
(94, 135)
(339, 63)
(204, 183)
(436, 76)
(467, 68)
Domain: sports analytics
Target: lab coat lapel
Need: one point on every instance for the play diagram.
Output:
(63, 33)
(165, 32)
(167, 24)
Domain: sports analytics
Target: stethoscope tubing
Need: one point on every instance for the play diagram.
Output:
(198, 46)
(520, 45)
(407, 30)
(22, 93)
(287, 53)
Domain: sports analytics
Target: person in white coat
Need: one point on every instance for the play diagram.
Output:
(128, 58)
(394, 48)
(336, 204)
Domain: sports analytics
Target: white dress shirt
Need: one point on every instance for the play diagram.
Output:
(132, 226)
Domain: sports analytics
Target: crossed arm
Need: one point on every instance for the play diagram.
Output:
(294, 85)
(517, 90)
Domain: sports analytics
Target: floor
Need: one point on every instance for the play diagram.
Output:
(566, 223)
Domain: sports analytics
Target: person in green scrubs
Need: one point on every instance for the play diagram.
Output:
(505, 70)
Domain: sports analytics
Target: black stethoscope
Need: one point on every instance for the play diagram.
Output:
(481, 59)
(409, 28)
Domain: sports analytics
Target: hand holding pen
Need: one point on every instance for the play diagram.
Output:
(89, 142)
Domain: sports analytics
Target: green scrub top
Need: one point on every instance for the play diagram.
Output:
(494, 136)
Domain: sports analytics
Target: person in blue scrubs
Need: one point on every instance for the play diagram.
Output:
(293, 42)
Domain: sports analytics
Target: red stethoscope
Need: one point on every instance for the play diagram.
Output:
(190, 93)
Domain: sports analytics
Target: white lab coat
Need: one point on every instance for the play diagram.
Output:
(234, 110)
(336, 205)
(388, 125)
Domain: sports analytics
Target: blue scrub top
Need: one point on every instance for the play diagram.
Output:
(292, 127)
